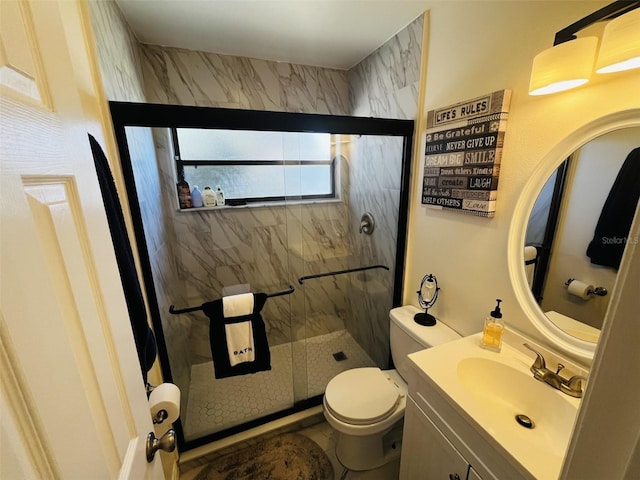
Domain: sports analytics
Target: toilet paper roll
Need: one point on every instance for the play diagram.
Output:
(165, 398)
(580, 289)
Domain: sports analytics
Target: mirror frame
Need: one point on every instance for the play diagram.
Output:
(517, 231)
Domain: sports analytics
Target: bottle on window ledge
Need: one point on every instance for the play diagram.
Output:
(196, 197)
(209, 197)
(219, 196)
(184, 194)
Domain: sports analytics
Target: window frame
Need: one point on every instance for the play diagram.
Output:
(180, 163)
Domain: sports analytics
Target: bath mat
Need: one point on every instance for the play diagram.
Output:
(289, 456)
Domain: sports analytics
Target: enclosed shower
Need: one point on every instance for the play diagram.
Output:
(315, 217)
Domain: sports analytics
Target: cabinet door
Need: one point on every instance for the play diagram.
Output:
(426, 453)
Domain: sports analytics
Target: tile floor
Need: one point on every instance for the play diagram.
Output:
(299, 370)
(323, 435)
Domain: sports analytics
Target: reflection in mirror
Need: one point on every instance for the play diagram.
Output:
(577, 206)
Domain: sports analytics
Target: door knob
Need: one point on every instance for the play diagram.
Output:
(166, 443)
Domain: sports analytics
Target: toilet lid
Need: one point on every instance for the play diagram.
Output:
(361, 396)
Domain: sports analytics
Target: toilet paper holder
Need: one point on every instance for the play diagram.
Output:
(599, 291)
(161, 415)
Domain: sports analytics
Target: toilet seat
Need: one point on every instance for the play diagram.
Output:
(362, 396)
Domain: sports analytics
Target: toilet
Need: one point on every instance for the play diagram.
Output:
(365, 406)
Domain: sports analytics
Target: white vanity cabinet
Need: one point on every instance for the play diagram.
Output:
(426, 452)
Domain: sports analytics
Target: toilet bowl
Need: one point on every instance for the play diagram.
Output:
(365, 401)
(365, 406)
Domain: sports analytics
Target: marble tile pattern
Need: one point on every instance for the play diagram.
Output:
(385, 85)
(266, 247)
(185, 77)
(118, 53)
(121, 71)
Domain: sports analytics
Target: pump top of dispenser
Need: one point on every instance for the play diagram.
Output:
(497, 313)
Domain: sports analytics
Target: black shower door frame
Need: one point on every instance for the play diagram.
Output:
(126, 114)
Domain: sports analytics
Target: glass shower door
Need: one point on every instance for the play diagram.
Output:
(346, 288)
(264, 244)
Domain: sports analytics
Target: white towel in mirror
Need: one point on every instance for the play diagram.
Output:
(530, 253)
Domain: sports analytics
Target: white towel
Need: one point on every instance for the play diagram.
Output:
(240, 342)
(237, 305)
(530, 253)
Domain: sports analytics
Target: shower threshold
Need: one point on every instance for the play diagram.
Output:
(219, 404)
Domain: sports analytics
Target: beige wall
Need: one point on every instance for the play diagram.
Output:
(469, 55)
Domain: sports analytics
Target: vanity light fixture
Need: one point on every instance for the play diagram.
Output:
(620, 46)
(570, 62)
(563, 66)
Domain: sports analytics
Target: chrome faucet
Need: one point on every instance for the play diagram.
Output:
(571, 386)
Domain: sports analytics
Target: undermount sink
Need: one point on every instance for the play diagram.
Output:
(508, 394)
(489, 390)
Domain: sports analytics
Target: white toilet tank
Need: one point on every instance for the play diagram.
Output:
(409, 337)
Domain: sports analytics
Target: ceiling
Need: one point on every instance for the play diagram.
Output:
(324, 33)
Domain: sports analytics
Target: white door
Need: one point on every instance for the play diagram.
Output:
(72, 400)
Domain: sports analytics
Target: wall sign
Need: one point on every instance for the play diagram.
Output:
(463, 152)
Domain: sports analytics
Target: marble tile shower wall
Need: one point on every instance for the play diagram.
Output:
(385, 84)
(118, 53)
(375, 180)
(250, 243)
(121, 74)
(266, 247)
(226, 247)
(185, 77)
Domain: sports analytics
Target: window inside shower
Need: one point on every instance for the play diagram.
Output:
(256, 166)
(330, 286)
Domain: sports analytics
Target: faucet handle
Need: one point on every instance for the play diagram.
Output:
(539, 362)
(574, 386)
(575, 382)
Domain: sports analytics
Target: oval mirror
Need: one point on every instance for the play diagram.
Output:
(568, 215)
(578, 228)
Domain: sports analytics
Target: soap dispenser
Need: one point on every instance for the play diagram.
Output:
(493, 329)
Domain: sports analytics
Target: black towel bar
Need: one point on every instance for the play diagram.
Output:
(175, 311)
(340, 272)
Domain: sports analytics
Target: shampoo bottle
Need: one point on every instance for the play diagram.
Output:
(184, 194)
(196, 197)
(209, 197)
(493, 329)
(219, 197)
